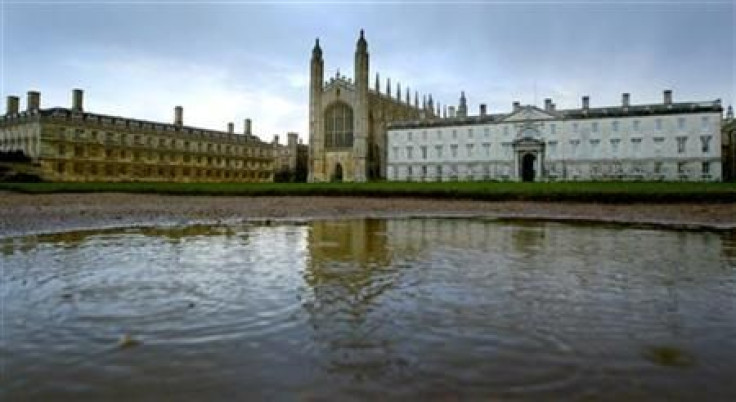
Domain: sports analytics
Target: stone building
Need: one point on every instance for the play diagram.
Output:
(290, 160)
(75, 145)
(728, 146)
(347, 120)
(662, 141)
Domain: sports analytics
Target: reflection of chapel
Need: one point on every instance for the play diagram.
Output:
(347, 120)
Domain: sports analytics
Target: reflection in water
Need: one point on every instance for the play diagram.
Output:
(404, 308)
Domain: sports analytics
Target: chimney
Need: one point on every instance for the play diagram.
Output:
(625, 99)
(667, 97)
(33, 101)
(293, 137)
(548, 104)
(179, 116)
(231, 128)
(276, 139)
(516, 106)
(553, 107)
(77, 99)
(482, 110)
(586, 102)
(248, 127)
(13, 105)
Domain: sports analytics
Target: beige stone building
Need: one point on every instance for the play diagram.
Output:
(290, 160)
(347, 120)
(75, 145)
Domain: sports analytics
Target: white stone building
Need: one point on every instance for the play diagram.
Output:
(664, 141)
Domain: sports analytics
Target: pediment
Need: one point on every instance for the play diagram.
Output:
(529, 113)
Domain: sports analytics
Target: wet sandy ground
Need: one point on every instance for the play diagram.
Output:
(25, 214)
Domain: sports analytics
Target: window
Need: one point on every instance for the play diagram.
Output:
(487, 149)
(439, 134)
(636, 145)
(594, 127)
(637, 125)
(409, 136)
(705, 143)
(658, 141)
(658, 124)
(553, 128)
(454, 134)
(575, 127)
(657, 167)
(706, 168)
(438, 150)
(594, 146)
(681, 144)
(615, 142)
(704, 123)
(614, 126)
(470, 150)
(424, 171)
(486, 132)
(424, 152)
(681, 123)
(470, 133)
(681, 167)
(552, 147)
(424, 135)
(409, 151)
(453, 150)
(506, 130)
(338, 126)
(395, 152)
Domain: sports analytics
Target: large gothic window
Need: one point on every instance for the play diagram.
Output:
(339, 126)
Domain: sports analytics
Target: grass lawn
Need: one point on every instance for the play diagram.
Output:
(605, 192)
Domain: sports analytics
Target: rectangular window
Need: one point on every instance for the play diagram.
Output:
(487, 149)
(594, 127)
(553, 128)
(705, 143)
(575, 127)
(681, 167)
(614, 126)
(637, 125)
(505, 130)
(470, 133)
(408, 136)
(658, 124)
(615, 142)
(594, 147)
(681, 144)
(454, 134)
(470, 150)
(704, 123)
(706, 168)
(439, 134)
(424, 135)
(681, 123)
(636, 145)
(574, 147)
(453, 150)
(409, 152)
(657, 167)
(486, 132)
(438, 150)
(552, 148)
(424, 152)
(395, 152)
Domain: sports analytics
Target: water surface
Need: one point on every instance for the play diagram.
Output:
(436, 309)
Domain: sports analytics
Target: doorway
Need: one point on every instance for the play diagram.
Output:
(338, 173)
(527, 167)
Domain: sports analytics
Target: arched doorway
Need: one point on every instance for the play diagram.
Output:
(527, 167)
(338, 173)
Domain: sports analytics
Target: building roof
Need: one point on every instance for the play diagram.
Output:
(571, 114)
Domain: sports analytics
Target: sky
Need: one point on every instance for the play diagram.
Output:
(228, 60)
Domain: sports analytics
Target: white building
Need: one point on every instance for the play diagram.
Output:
(664, 141)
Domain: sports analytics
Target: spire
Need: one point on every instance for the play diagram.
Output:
(388, 87)
(444, 112)
(408, 97)
(378, 83)
(729, 113)
(439, 111)
(462, 109)
(362, 45)
(430, 103)
(398, 91)
(316, 51)
(416, 99)
(424, 102)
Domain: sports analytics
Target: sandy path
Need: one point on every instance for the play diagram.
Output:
(23, 214)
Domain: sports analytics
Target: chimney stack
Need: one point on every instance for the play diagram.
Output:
(275, 139)
(231, 128)
(77, 100)
(586, 102)
(13, 105)
(33, 101)
(179, 116)
(248, 127)
(516, 106)
(552, 107)
(625, 99)
(482, 110)
(667, 97)
(548, 104)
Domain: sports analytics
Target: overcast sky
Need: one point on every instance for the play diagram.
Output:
(227, 61)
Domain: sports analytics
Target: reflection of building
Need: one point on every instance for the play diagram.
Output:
(665, 141)
(729, 146)
(361, 241)
(290, 160)
(347, 121)
(74, 145)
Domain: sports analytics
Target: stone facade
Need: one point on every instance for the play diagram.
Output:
(728, 146)
(74, 145)
(290, 160)
(665, 141)
(348, 120)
